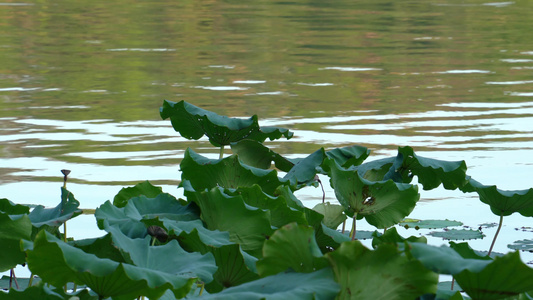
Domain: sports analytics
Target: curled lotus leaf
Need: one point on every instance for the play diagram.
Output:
(381, 203)
(54, 217)
(193, 122)
(502, 202)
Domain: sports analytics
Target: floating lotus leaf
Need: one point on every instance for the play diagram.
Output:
(486, 279)
(58, 263)
(333, 214)
(13, 228)
(428, 224)
(54, 217)
(193, 122)
(203, 173)
(248, 226)
(391, 236)
(382, 204)
(380, 274)
(504, 203)
(169, 258)
(255, 154)
(144, 188)
(291, 247)
(458, 234)
(129, 217)
(523, 245)
(318, 285)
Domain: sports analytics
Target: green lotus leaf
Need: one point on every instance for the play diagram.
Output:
(235, 267)
(129, 217)
(58, 263)
(291, 247)
(255, 154)
(169, 258)
(377, 169)
(333, 214)
(458, 234)
(349, 156)
(380, 274)
(203, 173)
(144, 188)
(466, 252)
(340, 237)
(13, 228)
(392, 236)
(193, 122)
(318, 285)
(382, 204)
(280, 213)
(54, 217)
(428, 224)
(44, 292)
(523, 245)
(10, 208)
(480, 278)
(431, 172)
(305, 170)
(248, 226)
(504, 203)
(102, 247)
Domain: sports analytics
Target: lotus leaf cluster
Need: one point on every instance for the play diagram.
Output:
(241, 233)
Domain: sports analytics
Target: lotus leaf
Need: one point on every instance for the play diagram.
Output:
(235, 267)
(58, 263)
(193, 122)
(255, 154)
(429, 224)
(504, 203)
(203, 173)
(248, 226)
(458, 234)
(144, 188)
(523, 245)
(333, 214)
(391, 236)
(43, 292)
(383, 203)
(14, 226)
(380, 274)
(318, 285)
(291, 247)
(54, 217)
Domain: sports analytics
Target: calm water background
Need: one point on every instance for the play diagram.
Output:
(81, 84)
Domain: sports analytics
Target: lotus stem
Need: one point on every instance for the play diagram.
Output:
(65, 231)
(13, 277)
(353, 226)
(343, 226)
(496, 235)
(323, 192)
(31, 280)
(221, 152)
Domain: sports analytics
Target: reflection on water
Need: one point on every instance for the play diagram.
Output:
(81, 84)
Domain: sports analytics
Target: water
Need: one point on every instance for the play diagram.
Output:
(81, 84)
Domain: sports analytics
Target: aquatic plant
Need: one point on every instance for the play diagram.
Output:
(241, 233)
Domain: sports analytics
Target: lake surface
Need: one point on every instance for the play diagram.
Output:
(81, 84)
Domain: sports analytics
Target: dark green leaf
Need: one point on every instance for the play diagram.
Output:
(141, 189)
(13, 228)
(193, 122)
(255, 154)
(203, 173)
(318, 285)
(58, 263)
(43, 292)
(383, 203)
(306, 169)
(391, 236)
(349, 156)
(291, 247)
(380, 274)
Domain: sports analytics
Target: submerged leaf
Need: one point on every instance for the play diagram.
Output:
(193, 122)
